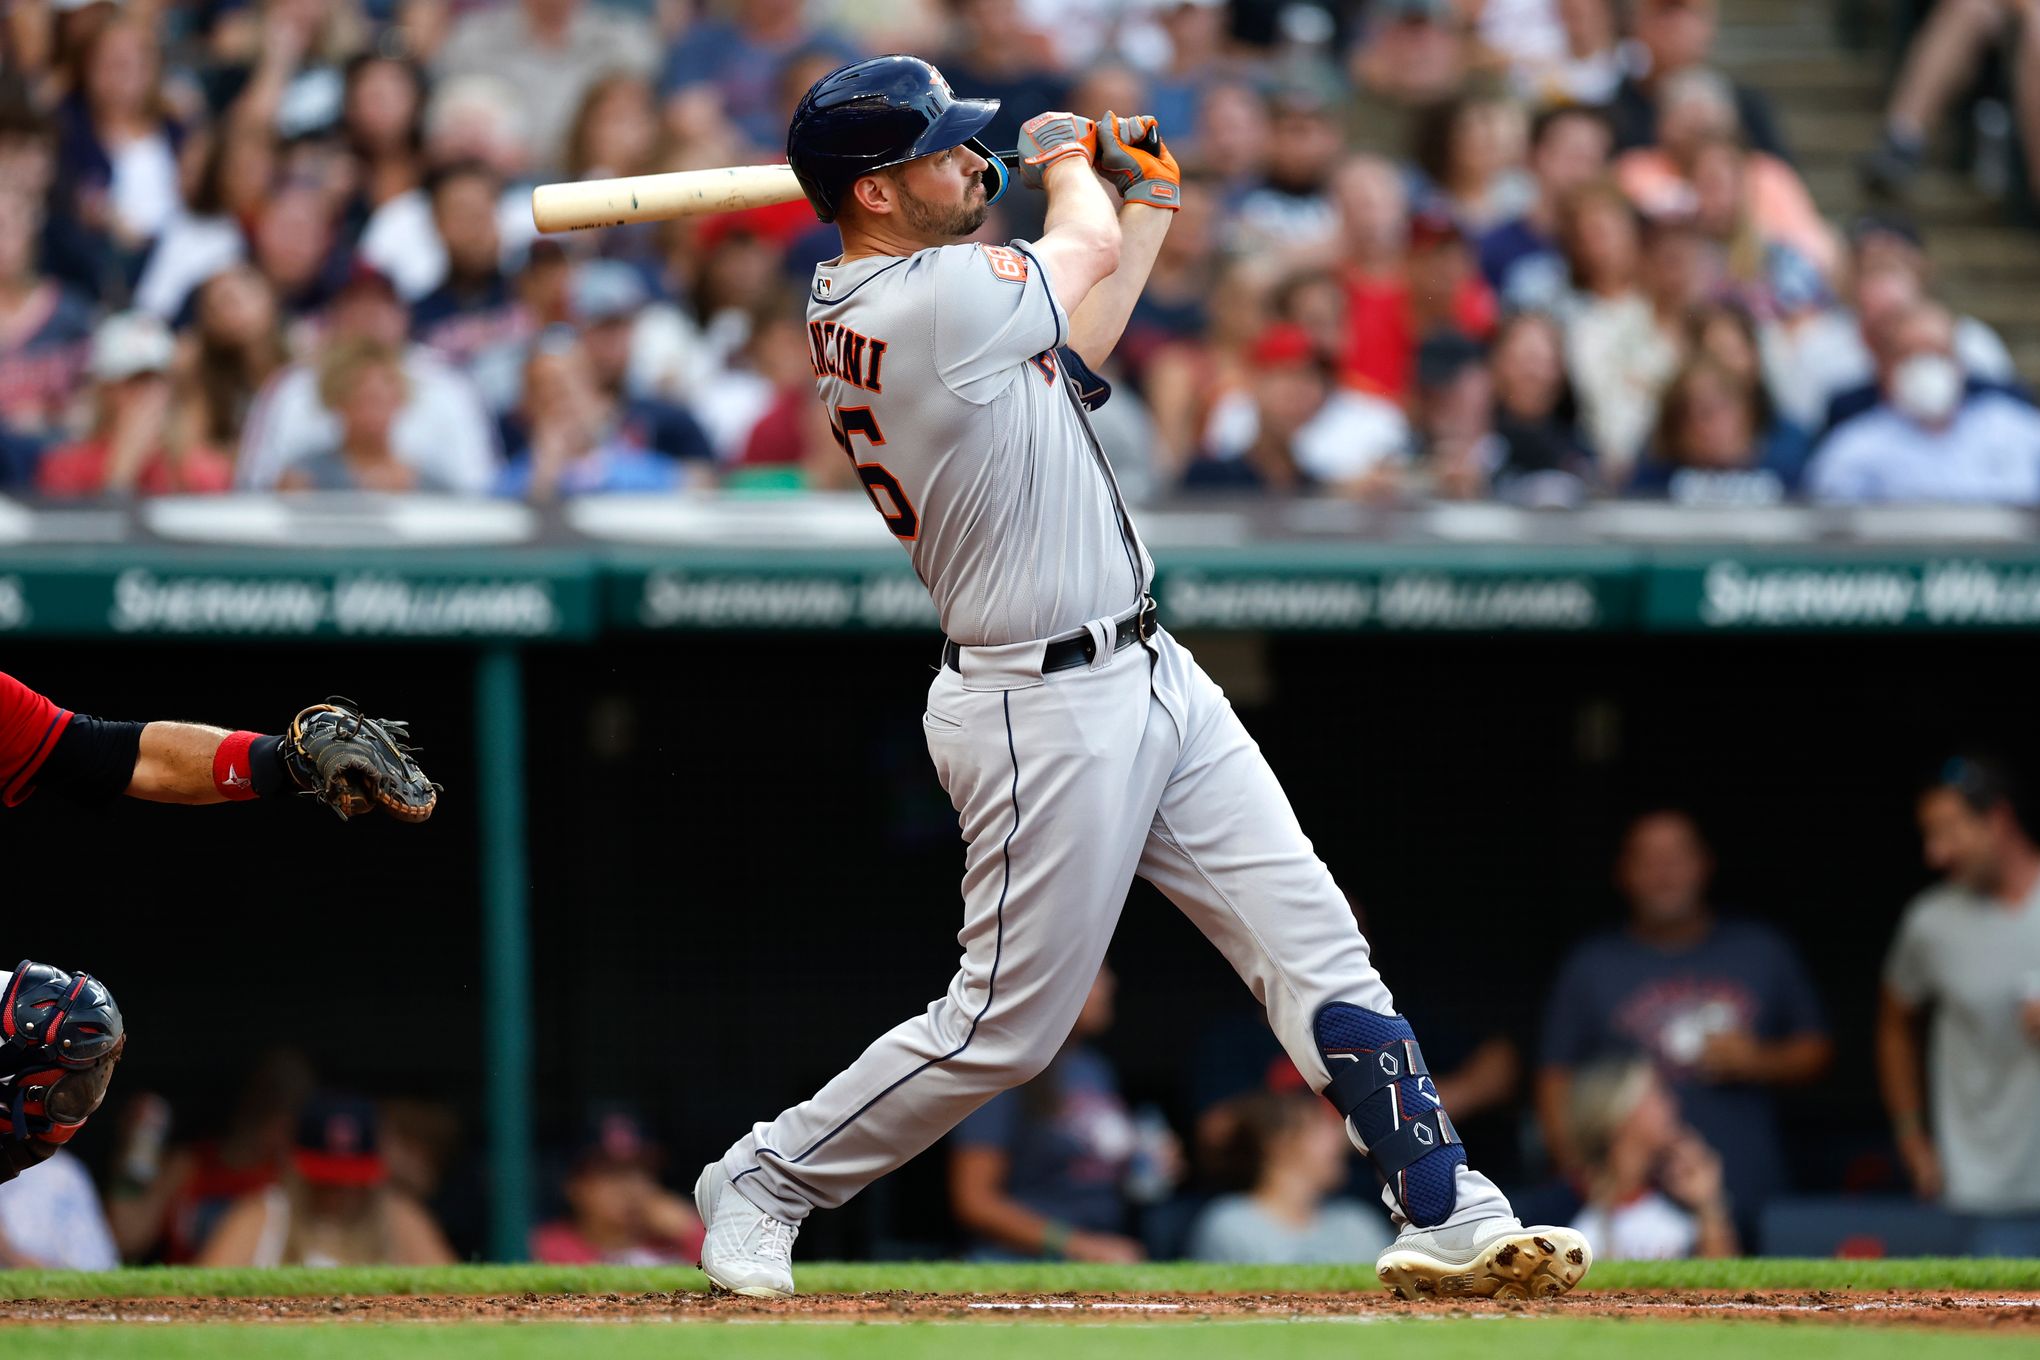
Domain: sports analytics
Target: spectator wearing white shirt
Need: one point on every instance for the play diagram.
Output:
(1966, 960)
(442, 430)
(1653, 1187)
(1932, 437)
(53, 1220)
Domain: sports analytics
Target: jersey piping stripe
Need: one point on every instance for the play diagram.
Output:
(1061, 321)
(10, 792)
(832, 301)
(991, 983)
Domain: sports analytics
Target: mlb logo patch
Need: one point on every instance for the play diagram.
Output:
(825, 284)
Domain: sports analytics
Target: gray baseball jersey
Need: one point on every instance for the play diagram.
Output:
(940, 373)
(942, 382)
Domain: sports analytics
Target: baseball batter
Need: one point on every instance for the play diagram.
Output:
(1080, 744)
(61, 1033)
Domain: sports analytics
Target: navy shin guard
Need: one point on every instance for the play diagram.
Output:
(1380, 1084)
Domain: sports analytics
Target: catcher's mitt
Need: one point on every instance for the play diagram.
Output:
(355, 764)
(60, 1036)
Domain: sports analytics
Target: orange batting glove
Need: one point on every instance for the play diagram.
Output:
(1133, 160)
(1048, 137)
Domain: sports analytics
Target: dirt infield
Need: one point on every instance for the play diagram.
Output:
(1995, 1312)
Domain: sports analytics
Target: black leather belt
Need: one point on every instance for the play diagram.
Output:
(1066, 654)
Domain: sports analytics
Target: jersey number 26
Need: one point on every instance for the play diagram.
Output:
(850, 422)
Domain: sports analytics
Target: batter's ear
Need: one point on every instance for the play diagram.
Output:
(876, 194)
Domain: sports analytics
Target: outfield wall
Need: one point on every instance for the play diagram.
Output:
(686, 788)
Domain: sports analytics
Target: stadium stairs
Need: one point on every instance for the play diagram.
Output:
(1830, 99)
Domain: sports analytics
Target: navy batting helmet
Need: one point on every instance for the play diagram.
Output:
(881, 112)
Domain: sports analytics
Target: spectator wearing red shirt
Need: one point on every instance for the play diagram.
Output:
(617, 1212)
(1405, 278)
(132, 447)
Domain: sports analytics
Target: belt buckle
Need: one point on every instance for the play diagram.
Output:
(1144, 622)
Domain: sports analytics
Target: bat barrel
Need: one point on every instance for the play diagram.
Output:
(655, 198)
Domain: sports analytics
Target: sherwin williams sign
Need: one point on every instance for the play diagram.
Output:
(1746, 593)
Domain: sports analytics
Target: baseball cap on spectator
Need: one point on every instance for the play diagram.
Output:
(363, 274)
(1444, 356)
(607, 290)
(130, 343)
(336, 1142)
(1282, 344)
(1885, 223)
(1434, 227)
(614, 1139)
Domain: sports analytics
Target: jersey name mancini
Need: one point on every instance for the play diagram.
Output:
(839, 352)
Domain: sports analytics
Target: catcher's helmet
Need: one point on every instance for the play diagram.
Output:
(880, 112)
(47, 1013)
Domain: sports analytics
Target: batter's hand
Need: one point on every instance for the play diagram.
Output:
(1049, 137)
(1134, 160)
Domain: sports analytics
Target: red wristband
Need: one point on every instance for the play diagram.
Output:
(231, 775)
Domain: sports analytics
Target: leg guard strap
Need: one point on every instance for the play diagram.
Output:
(1383, 1087)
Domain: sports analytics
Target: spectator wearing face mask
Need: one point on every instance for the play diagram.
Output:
(1829, 371)
(1931, 437)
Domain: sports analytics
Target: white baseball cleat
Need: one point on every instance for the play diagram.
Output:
(1486, 1259)
(746, 1251)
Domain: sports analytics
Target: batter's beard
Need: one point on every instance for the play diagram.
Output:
(958, 221)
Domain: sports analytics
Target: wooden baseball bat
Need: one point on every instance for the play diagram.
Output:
(655, 198)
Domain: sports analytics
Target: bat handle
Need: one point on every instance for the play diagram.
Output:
(1010, 158)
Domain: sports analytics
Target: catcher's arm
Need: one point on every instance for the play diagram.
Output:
(174, 763)
(1132, 158)
(360, 764)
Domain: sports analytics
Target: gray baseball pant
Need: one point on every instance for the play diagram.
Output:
(1066, 786)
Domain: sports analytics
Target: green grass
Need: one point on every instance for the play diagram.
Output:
(952, 1278)
(1444, 1339)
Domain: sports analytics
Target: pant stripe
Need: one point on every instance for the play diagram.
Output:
(991, 983)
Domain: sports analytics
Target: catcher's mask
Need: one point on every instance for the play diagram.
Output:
(48, 1015)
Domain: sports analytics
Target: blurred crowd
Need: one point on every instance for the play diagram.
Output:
(1531, 250)
(1650, 1118)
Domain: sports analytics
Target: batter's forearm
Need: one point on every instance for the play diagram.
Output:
(1100, 320)
(1080, 240)
(175, 763)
